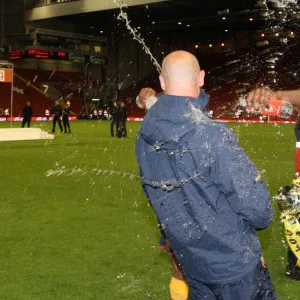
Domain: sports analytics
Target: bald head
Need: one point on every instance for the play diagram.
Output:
(181, 75)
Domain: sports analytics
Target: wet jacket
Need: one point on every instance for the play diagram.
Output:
(207, 194)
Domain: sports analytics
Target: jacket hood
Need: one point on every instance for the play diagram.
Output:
(173, 119)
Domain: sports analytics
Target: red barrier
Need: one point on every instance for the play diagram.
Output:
(37, 119)
(34, 119)
(232, 121)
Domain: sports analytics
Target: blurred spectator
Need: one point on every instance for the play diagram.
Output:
(114, 121)
(27, 114)
(57, 113)
(47, 114)
(122, 119)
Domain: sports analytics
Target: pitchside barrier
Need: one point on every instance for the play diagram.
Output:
(231, 121)
(37, 119)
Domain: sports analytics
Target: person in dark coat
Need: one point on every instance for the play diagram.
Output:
(297, 135)
(66, 113)
(57, 113)
(208, 196)
(27, 115)
(122, 120)
(114, 112)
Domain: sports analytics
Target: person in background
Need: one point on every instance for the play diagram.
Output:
(27, 114)
(57, 113)
(208, 196)
(95, 114)
(65, 117)
(122, 120)
(6, 113)
(100, 114)
(106, 115)
(297, 135)
(47, 114)
(114, 119)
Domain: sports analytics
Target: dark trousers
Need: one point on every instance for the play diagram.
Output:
(292, 270)
(112, 125)
(57, 119)
(257, 285)
(125, 129)
(26, 120)
(297, 134)
(66, 123)
(122, 130)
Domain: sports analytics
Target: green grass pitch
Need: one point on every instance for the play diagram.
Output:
(75, 224)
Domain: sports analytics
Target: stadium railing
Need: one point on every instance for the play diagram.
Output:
(52, 2)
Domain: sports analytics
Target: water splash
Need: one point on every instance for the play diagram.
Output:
(136, 35)
(62, 170)
(284, 3)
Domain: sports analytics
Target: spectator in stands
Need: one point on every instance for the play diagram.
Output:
(57, 113)
(114, 119)
(47, 114)
(122, 119)
(95, 114)
(6, 113)
(27, 114)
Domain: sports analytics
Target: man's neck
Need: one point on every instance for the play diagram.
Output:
(187, 94)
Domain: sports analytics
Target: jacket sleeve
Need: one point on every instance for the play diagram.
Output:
(237, 177)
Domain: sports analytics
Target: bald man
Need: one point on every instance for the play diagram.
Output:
(208, 196)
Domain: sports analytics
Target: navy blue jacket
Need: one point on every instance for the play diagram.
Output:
(205, 191)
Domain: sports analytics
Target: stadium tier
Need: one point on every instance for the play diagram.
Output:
(22, 93)
(28, 89)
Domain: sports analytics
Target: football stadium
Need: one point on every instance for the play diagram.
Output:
(87, 198)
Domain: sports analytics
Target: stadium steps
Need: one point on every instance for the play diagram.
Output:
(30, 84)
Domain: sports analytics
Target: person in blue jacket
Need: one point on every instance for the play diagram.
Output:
(208, 196)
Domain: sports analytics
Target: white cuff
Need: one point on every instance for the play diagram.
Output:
(151, 101)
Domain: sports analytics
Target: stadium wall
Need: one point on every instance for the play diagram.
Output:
(50, 65)
(53, 25)
(128, 63)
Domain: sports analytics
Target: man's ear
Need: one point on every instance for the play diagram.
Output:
(162, 82)
(201, 78)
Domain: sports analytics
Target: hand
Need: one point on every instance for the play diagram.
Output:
(144, 94)
(263, 262)
(257, 99)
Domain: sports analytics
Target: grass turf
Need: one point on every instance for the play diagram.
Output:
(74, 223)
